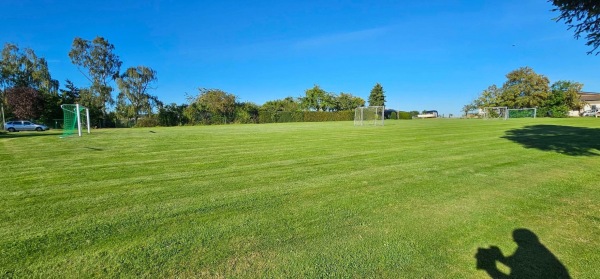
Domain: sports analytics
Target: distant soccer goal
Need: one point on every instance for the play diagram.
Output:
(72, 119)
(373, 115)
(522, 113)
(495, 113)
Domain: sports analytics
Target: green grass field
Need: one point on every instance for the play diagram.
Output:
(412, 199)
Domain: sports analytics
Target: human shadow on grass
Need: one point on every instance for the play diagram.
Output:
(531, 259)
(568, 140)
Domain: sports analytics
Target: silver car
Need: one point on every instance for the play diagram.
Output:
(589, 113)
(15, 126)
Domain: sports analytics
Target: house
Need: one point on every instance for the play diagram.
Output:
(592, 103)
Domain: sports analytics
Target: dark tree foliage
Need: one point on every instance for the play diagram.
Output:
(524, 88)
(52, 110)
(564, 96)
(467, 108)
(318, 99)
(70, 95)
(211, 106)
(102, 65)
(246, 112)
(172, 115)
(584, 17)
(23, 68)
(346, 101)
(377, 97)
(25, 102)
(93, 102)
(134, 97)
(286, 104)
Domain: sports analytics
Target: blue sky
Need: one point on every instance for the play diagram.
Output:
(426, 54)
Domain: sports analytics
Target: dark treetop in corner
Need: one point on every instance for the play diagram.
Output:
(584, 17)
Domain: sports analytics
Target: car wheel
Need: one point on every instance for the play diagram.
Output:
(38, 129)
(11, 129)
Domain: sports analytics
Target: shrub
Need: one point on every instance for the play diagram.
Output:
(559, 111)
(147, 122)
(404, 115)
(543, 112)
(246, 113)
(172, 115)
(265, 116)
(553, 111)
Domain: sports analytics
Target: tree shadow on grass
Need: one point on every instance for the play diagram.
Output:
(531, 259)
(568, 140)
(7, 135)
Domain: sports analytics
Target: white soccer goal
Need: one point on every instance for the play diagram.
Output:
(522, 113)
(373, 115)
(72, 118)
(495, 113)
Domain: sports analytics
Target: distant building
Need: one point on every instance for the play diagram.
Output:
(592, 103)
(428, 114)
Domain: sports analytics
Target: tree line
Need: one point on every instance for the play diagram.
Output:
(28, 91)
(215, 106)
(524, 88)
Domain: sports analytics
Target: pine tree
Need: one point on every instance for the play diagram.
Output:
(377, 98)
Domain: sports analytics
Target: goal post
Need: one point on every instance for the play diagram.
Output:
(372, 115)
(522, 113)
(495, 113)
(72, 119)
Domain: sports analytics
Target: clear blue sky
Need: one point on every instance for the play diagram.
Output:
(426, 54)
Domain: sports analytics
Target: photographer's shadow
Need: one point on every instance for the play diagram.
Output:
(531, 259)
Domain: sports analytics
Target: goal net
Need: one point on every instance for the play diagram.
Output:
(522, 113)
(373, 115)
(495, 113)
(72, 119)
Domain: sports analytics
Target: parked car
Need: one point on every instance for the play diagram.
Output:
(589, 113)
(20, 125)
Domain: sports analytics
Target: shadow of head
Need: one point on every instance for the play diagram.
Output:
(525, 237)
(568, 140)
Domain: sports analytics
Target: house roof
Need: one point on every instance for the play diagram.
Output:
(589, 96)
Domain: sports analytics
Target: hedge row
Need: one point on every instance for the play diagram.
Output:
(261, 116)
(303, 116)
(404, 115)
